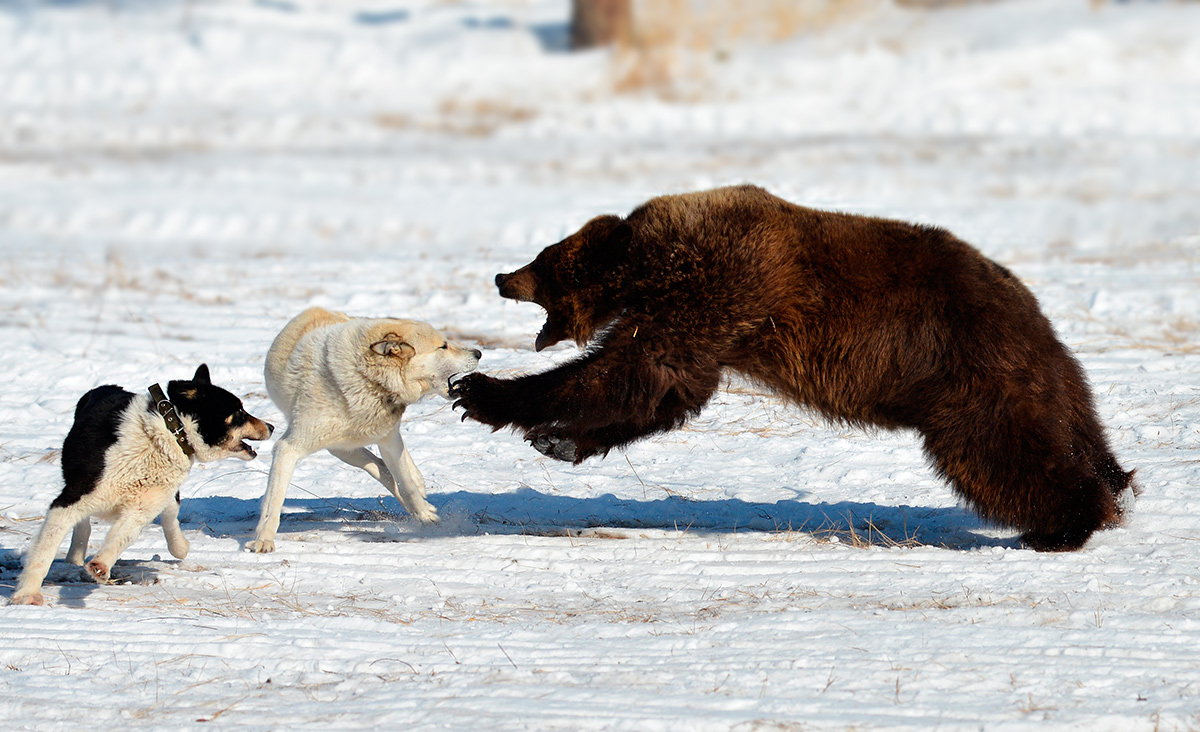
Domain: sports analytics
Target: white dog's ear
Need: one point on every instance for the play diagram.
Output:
(392, 345)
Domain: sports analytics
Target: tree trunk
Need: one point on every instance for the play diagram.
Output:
(598, 22)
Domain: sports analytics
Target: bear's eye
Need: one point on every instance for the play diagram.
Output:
(445, 346)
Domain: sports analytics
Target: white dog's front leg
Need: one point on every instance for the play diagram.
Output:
(410, 486)
(283, 463)
(177, 543)
(79, 541)
(41, 555)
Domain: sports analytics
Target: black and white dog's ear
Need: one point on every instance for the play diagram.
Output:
(392, 345)
(202, 374)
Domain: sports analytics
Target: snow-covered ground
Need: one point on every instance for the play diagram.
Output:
(177, 179)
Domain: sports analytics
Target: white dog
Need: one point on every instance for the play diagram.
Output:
(344, 384)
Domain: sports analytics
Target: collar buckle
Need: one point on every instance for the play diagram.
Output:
(165, 409)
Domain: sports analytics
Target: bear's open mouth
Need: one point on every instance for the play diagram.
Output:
(545, 337)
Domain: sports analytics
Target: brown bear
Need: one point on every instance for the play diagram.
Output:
(868, 321)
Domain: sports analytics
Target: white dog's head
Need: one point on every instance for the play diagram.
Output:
(411, 359)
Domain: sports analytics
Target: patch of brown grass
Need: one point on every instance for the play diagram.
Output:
(863, 534)
(469, 117)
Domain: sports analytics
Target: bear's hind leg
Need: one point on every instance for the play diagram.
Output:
(1028, 476)
(1065, 539)
(1076, 503)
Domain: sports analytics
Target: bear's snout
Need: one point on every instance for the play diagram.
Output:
(516, 285)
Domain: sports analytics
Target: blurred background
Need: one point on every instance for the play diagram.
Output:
(393, 155)
(1048, 128)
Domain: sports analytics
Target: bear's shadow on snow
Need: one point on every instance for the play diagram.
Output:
(531, 512)
(862, 524)
(73, 583)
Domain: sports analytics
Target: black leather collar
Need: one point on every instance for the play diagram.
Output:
(163, 406)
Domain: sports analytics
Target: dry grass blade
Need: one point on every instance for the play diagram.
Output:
(863, 534)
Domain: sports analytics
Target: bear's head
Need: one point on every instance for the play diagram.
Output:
(576, 281)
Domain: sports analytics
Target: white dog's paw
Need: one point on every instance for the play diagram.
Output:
(99, 571)
(179, 550)
(27, 598)
(261, 546)
(426, 514)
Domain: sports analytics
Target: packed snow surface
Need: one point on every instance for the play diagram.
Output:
(178, 179)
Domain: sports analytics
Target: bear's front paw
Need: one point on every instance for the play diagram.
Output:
(476, 393)
(554, 445)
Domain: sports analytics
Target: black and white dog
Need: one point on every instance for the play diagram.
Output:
(124, 459)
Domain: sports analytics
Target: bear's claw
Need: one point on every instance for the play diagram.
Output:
(460, 392)
(476, 395)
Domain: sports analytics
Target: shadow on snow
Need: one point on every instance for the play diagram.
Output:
(74, 582)
(530, 512)
(527, 511)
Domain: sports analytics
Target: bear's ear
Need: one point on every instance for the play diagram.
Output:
(619, 238)
(393, 345)
(608, 245)
(202, 375)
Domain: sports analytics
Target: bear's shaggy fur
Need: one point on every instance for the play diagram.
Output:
(866, 320)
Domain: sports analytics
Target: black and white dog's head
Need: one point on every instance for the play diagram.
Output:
(215, 422)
